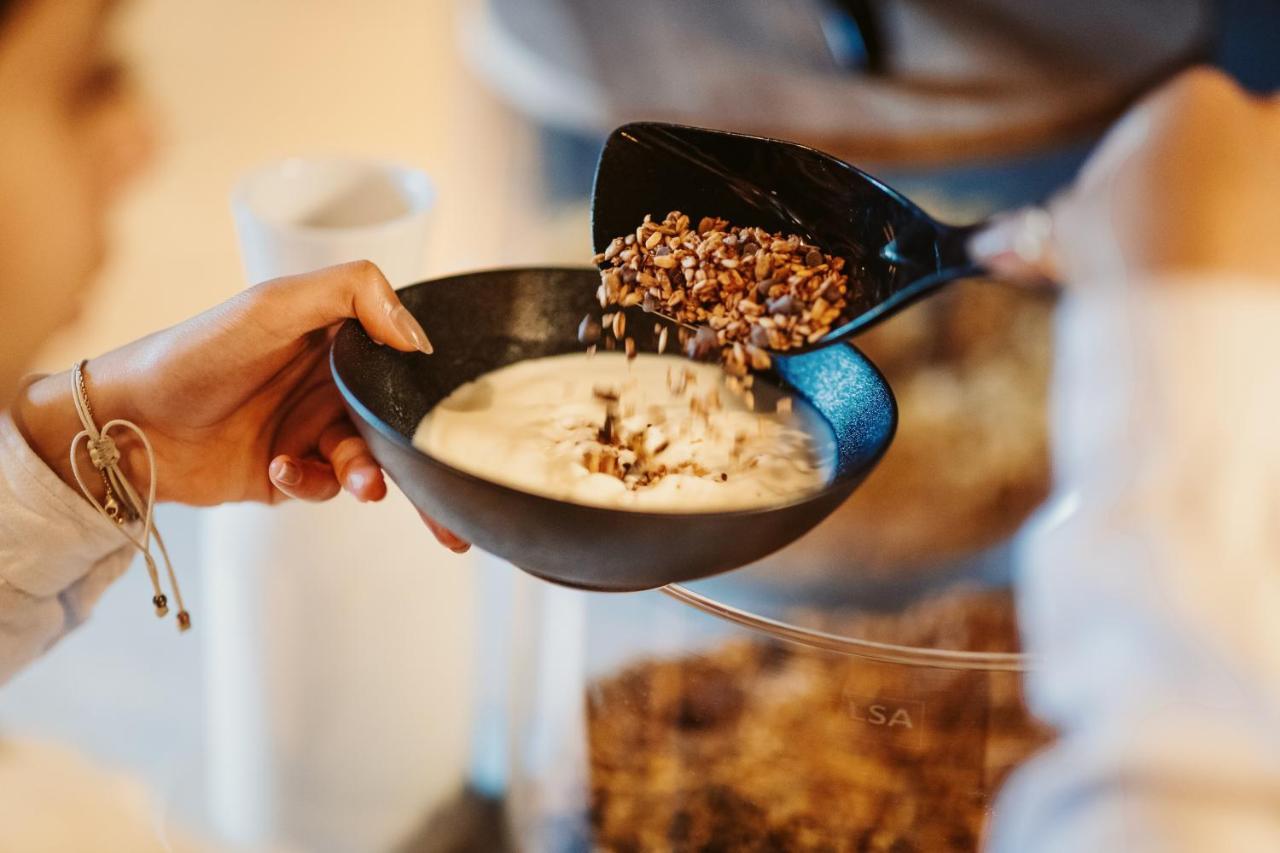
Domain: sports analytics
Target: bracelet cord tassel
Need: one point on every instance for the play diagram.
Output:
(122, 503)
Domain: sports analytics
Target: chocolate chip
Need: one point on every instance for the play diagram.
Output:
(589, 330)
(703, 343)
(784, 304)
(607, 428)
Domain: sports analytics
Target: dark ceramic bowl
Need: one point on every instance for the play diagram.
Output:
(482, 321)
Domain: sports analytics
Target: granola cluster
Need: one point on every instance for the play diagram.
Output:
(743, 290)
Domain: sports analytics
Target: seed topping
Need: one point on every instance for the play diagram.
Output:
(737, 285)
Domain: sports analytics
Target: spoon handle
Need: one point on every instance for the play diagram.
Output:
(954, 259)
(935, 254)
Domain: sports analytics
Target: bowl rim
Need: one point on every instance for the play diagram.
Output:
(392, 434)
(869, 649)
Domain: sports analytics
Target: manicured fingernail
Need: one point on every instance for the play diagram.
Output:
(357, 481)
(1018, 247)
(461, 549)
(285, 472)
(992, 241)
(409, 327)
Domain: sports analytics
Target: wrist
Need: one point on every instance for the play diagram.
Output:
(45, 414)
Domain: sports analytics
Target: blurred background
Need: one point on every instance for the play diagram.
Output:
(406, 698)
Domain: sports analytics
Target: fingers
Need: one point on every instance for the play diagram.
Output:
(445, 536)
(297, 305)
(1204, 82)
(353, 465)
(317, 425)
(1018, 246)
(1199, 101)
(1151, 197)
(304, 479)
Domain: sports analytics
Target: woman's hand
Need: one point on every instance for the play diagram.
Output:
(238, 402)
(1186, 182)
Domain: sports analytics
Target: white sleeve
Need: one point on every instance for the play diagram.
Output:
(57, 555)
(1149, 589)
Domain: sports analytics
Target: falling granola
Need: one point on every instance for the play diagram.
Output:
(745, 290)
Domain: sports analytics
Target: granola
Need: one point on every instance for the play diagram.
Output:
(742, 290)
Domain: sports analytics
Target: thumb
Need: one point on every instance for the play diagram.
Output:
(1018, 246)
(300, 304)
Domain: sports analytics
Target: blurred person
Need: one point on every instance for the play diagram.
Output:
(237, 402)
(1148, 589)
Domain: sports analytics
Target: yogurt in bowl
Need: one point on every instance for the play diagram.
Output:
(653, 433)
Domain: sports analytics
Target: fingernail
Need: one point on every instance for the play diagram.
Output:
(1018, 247)
(461, 549)
(992, 241)
(409, 327)
(356, 481)
(285, 472)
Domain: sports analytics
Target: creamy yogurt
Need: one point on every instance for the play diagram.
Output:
(528, 425)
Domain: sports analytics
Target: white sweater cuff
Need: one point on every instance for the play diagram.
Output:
(50, 536)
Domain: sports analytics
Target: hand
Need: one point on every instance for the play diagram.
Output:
(1187, 181)
(238, 402)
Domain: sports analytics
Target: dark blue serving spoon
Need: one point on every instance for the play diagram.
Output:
(894, 252)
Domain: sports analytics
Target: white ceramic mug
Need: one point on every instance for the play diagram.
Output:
(338, 635)
(300, 214)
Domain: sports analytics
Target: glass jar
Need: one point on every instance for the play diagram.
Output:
(737, 715)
